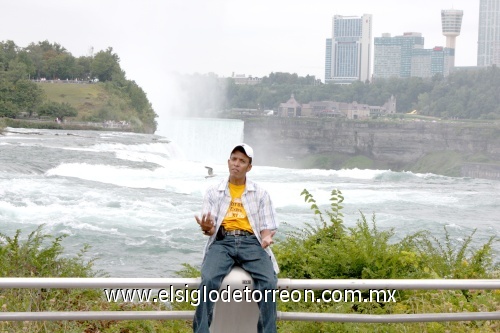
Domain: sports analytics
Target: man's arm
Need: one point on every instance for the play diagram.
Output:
(267, 237)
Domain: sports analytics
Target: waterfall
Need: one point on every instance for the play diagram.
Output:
(207, 140)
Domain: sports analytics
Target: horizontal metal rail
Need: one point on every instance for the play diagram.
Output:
(296, 284)
(396, 318)
(283, 316)
(96, 315)
(314, 284)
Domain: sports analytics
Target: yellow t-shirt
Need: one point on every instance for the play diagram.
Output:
(236, 216)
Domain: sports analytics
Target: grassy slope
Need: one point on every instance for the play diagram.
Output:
(88, 99)
(92, 101)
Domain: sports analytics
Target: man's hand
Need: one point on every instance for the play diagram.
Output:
(206, 224)
(267, 237)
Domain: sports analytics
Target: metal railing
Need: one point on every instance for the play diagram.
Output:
(295, 284)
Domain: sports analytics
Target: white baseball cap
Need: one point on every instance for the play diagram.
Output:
(246, 148)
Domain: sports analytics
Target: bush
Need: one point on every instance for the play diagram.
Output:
(328, 250)
(42, 255)
(2, 125)
(35, 258)
(8, 109)
(55, 109)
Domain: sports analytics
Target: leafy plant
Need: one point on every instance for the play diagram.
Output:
(328, 250)
(2, 125)
(449, 260)
(55, 109)
(33, 257)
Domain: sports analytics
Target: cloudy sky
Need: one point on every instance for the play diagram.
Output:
(155, 37)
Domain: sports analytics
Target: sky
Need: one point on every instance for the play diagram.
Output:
(154, 38)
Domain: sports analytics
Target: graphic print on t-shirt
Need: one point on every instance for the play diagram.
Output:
(236, 217)
(236, 210)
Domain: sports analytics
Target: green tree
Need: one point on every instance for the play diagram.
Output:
(61, 66)
(24, 57)
(35, 54)
(17, 71)
(8, 109)
(27, 96)
(106, 65)
(59, 110)
(47, 58)
(8, 53)
(82, 68)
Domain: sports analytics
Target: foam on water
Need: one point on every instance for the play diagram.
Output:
(120, 176)
(343, 173)
(163, 149)
(132, 197)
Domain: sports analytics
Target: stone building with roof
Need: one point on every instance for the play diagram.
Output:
(291, 108)
(334, 109)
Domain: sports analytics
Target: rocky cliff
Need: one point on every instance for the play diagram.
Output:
(399, 145)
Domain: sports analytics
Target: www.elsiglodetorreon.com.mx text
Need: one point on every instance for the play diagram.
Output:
(246, 294)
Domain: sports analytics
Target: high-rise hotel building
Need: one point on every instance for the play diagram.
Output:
(488, 45)
(393, 55)
(404, 56)
(348, 52)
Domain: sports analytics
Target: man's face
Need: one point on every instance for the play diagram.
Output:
(239, 165)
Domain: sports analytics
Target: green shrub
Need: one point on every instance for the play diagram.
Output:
(33, 257)
(2, 125)
(327, 250)
(59, 110)
(42, 255)
(453, 261)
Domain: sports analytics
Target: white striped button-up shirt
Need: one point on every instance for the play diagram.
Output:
(258, 206)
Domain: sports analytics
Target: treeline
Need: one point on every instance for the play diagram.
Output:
(19, 66)
(464, 94)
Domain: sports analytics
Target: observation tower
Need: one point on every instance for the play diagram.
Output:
(451, 21)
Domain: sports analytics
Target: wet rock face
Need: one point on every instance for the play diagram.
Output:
(395, 143)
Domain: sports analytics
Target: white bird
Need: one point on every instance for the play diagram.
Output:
(210, 172)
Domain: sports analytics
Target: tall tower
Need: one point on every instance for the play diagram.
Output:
(488, 42)
(451, 22)
(350, 49)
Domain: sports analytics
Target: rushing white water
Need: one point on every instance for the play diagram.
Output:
(204, 140)
(132, 197)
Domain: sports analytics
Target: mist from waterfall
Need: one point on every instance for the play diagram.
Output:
(206, 140)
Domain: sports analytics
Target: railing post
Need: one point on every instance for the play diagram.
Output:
(235, 316)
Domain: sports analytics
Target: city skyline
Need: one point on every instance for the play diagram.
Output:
(156, 37)
(404, 55)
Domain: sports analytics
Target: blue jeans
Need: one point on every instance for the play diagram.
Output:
(246, 252)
